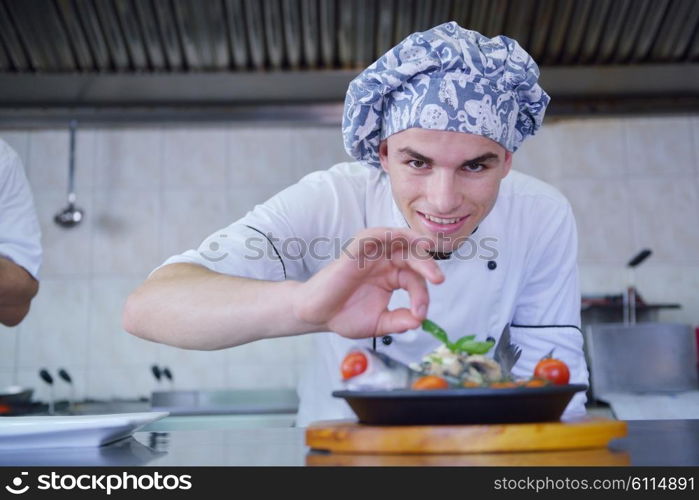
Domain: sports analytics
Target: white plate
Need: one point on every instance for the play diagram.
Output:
(70, 431)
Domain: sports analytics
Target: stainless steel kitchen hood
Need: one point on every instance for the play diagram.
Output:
(596, 55)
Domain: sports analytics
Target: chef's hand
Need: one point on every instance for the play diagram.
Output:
(350, 296)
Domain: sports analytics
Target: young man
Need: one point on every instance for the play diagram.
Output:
(20, 240)
(433, 125)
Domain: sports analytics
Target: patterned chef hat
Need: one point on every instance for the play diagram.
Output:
(445, 78)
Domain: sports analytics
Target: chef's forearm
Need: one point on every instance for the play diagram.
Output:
(191, 307)
(17, 288)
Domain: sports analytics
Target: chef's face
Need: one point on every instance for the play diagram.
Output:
(445, 183)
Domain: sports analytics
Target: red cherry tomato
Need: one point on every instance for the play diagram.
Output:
(430, 382)
(553, 370)
(354, 364)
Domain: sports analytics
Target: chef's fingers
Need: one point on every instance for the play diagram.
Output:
(396, 321)
(414, 255)
(425, 266)
(416, 286)
(405, 247)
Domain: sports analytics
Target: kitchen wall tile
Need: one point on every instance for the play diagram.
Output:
(591, 148)
(539, 155)
(262, 364)
(260, 156)
(659, 146)
(125, 236)
(55, 331)
(19, 142)
(282, 350)
(664, 215)
(671, 284)
(108, 343)
(602, 214)
(240, 355)
(317, 148)
(49, 160)
(7, 377)
(194, 369)
(194, 157)
(262, 376)
(66, 251)
(598, 279)
(8, 344)
(128, 158)
(188, 217)
(303, 348)
(85, 158)
(130, 381)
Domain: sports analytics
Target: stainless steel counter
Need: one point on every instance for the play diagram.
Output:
(268, 440)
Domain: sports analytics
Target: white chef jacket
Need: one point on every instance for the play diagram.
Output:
(518, 267)
(20, 235)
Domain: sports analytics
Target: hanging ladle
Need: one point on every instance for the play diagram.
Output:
(71, 215)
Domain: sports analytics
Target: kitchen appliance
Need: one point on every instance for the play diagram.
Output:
(630, 293)
(46, 377)
(635, 368)
(15, 399)
(643, 358)
(221, 402)
(65, 376)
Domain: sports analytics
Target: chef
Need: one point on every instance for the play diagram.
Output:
(430, 221)
(20, 240)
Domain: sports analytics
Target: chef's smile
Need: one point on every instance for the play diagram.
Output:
(443, 225)
(444, 183)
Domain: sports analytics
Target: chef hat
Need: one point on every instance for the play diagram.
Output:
(445, 78)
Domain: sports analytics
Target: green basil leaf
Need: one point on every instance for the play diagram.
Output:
(437, 332)
(463, 340)
(474, 347)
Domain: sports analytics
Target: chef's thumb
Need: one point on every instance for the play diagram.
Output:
(397, 321)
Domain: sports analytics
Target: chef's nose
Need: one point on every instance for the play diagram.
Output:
(443, 194)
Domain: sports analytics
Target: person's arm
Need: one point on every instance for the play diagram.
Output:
(189, 306)
(17, 289)
(20, 240)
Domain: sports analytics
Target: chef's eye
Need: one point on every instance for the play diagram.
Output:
(417, 164)
(475, 167)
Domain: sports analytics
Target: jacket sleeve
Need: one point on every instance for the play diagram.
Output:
(20, 234)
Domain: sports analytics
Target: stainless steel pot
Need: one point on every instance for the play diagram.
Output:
(15, 394)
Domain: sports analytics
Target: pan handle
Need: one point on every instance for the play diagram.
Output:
(640, 257)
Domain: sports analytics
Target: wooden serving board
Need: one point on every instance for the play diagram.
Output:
(350, 437)
(596, 457)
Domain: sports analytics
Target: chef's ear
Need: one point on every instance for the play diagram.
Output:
(508, 163)
(383, 155)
